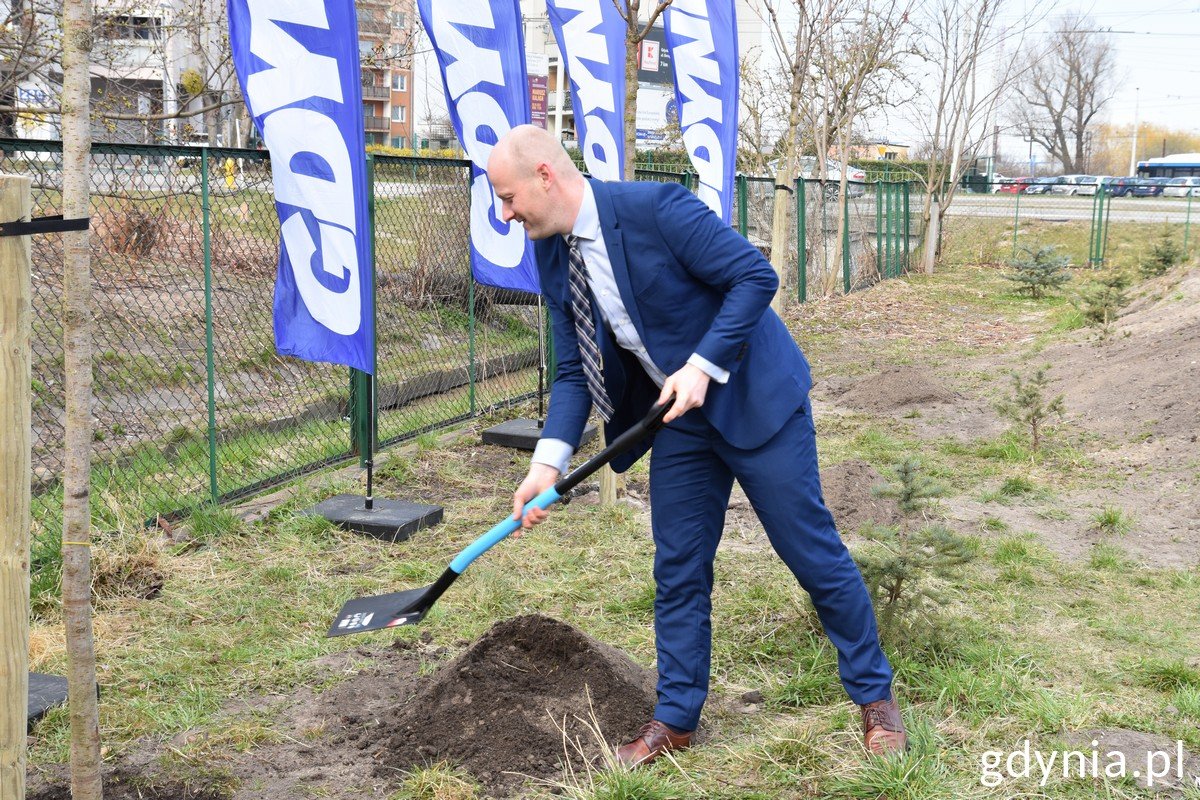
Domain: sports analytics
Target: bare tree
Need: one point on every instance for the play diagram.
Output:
(963, 46)
(1066, 81)
(188, 42)
(856, 66)
(763, 98)
(30, 44)
(635, 32)
(838, 57)
(793, 48)
(77, 370)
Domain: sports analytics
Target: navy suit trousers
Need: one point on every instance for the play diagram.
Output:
(692, 470)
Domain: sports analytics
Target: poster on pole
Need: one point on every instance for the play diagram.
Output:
(480, 49)
(591, 38)
(702, 40)
(297, 63)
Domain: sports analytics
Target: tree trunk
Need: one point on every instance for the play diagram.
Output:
(780, 211)
(632, 42)
(15, 317)
(77, 352)
(933, 235)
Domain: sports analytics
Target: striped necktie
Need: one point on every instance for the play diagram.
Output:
(585, 329)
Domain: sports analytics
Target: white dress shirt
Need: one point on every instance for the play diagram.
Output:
(603, 283)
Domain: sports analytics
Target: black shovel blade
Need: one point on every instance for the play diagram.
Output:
(364, 614)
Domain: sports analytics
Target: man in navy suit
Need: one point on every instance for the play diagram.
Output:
(651, 294)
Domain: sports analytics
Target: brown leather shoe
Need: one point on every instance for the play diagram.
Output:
(652, 741)
(883, 727)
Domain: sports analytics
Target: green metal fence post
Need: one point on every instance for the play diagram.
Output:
(1092, 230)
(893, 226)
(881, 262)
(551, 358)
(889, 223)
(209, 358)
(1099, 232)
(1107, 209)
(470, 321)
(846, 240)
(1017, 219)
(741, 203)
(899, 209)
(1187, 220)
(907, 224)
(801, 239)
(361, 432)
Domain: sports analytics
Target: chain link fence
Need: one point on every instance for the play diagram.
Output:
(1117, 223)
(193, 404)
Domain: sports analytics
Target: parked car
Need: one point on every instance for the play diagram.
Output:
(1042, 185)
(856, 187)
(1090, 184)
(1014, 185)
(1182, 187)
(1119, 187)
(1149, 187)
(1068, 185)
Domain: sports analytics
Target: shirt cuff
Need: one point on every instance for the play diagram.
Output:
(553, 453)
(708, 368)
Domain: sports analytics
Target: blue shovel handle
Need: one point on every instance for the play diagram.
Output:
(650, 423)
(481, 545)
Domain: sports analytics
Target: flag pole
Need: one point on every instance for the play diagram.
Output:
(541, 315)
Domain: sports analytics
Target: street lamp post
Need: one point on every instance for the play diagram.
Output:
(1029, 139)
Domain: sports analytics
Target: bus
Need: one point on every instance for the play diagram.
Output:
(1184, 165)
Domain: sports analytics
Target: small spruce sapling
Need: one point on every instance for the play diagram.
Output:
(1101, 301)
(1028, 407)
(900, 571)
(1039, 272)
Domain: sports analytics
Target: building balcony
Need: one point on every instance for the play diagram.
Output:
(367, 27)
(376, 92)
(376, 124)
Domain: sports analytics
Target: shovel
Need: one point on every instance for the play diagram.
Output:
(409, 607)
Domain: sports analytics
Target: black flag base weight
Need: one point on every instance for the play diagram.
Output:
(389, 520)
(523, 434)
(45, 692)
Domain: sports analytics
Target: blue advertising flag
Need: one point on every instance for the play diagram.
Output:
(481, 51)
(591, 37)
(297, 62)
(702, 38)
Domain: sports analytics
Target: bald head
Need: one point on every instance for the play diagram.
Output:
(524, 147)
(536, 181)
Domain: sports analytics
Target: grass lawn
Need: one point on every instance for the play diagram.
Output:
(1021, 645)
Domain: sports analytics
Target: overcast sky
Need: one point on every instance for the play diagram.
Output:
(1157, 66)
(1157, 45)
(1158, 59)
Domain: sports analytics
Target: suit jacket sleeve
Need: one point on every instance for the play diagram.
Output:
(716, 254)
(570, 401)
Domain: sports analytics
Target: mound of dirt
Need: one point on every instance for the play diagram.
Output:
(500, 709)
(895, 388)
(1144, 379)
(847, 491)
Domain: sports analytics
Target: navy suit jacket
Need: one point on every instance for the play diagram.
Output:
(691, 284)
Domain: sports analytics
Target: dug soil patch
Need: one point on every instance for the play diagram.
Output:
(498, 710)
(894, 388)
(848, 489)
(1144, 380)
(506, 708)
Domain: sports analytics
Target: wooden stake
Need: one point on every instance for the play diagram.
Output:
(15, 470)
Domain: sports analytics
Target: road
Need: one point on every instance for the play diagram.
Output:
(1065, 208)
